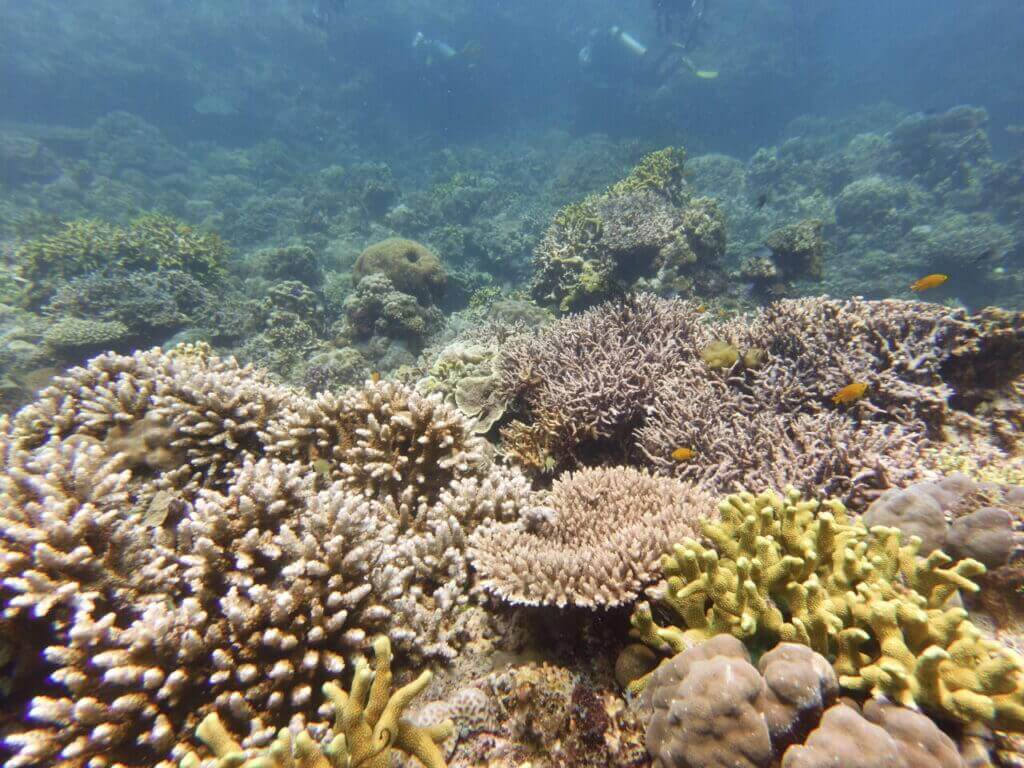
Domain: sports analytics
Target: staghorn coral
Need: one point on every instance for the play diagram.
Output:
(626, 383)
(369, 722)
(784, 569)
(592, 544)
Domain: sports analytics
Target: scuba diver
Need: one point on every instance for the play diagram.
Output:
(680, 19)
(615, 55)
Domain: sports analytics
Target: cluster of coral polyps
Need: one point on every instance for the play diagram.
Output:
(234, 570)
(753, 401)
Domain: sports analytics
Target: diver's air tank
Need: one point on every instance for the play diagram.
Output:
(628, 42)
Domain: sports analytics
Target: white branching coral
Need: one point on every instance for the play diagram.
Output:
(594, 541)
(383, 440)
(239, 587)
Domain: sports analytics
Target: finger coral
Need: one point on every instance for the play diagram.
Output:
(786, 569)
(369, 723)
(592, 543)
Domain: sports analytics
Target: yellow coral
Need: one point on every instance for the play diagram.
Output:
(661, 172)
(787, 569)
(368, 725)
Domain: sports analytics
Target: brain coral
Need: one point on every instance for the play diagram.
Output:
(592, 543)
(410, 266)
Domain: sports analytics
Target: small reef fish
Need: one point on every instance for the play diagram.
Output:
(850, 393)
(928, 281)
(761, 200)
(375, 376)
(683, 454)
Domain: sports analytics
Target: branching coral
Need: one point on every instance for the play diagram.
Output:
(212, 411)
(369, 722)
(383, 440)
(161, 599)
(628, 382)
(783, 569)
(592, 543)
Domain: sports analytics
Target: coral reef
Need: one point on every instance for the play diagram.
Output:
(645, 231)
(782, 569)
(592, 542)
(627, 383)
(369, 722)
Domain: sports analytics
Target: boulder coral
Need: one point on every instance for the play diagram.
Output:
(411, 267)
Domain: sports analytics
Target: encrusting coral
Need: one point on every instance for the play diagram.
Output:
(369, 722)
(593, 541)
(786, 569)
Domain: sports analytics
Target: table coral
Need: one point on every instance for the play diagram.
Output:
(592, 542)
(782, 568)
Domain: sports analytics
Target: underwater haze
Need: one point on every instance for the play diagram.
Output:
(511, 383)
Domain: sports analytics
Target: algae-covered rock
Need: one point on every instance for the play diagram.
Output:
(411, 267)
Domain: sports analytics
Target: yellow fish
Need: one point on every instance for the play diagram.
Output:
(850, 393)
(375, 376)
(683, 454)
(928, 281)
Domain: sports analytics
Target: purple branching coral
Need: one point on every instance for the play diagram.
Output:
(752, 398)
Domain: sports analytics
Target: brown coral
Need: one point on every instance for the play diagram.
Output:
(594, 543)
(410, 266)
(625, 383)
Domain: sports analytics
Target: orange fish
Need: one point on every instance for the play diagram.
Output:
(375, 376)
(928, 281)
(683, 454)
(850, 393)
